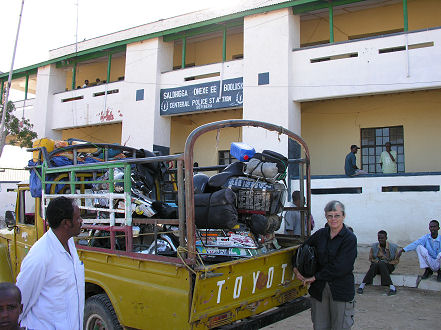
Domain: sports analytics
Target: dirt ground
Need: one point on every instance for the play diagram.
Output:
(410, 309)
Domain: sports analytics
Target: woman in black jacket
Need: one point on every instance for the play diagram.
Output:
(332, 286)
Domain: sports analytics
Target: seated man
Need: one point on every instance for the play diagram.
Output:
(383, 257)
(10, 306)
(351, 168)
(428, 249)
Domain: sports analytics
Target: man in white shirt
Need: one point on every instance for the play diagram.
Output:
(51, 278)
(388, 159)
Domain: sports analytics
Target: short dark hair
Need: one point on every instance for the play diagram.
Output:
(295, 195)
(382, 232)
(59, 208)
(436, 221)
(7, 286)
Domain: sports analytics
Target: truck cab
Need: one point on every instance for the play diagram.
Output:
(23, 228)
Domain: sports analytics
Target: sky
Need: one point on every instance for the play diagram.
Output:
(50, 24)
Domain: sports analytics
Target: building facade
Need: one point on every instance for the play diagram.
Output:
(337, 73)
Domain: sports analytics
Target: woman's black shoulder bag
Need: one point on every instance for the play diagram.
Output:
(305, 260)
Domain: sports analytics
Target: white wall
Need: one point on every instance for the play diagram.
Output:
(91, 110)
(49, 81)
(226, 70)
(404, 215)
(268, 41)
(370, 72)
(143, 126)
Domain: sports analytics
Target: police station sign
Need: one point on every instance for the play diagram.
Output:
(200, 97)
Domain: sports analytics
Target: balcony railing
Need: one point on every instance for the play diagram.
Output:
(394, 63)
(88, 106)
(25, 108)
(204, 73)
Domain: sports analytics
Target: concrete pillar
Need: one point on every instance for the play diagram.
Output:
(268, 42)
(143, 127)
(50, 80)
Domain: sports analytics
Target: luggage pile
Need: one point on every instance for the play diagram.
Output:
(238, 210)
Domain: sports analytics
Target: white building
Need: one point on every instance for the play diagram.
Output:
(337, 73)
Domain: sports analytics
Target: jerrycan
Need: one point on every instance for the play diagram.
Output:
(242, 151)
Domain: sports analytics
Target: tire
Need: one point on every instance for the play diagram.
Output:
(99, 314)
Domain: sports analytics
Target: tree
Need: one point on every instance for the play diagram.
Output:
(19, 131)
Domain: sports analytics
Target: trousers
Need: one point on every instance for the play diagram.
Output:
(382, 268)
(329, 314)
(426, 260)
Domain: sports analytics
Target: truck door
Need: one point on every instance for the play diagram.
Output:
(25, 232)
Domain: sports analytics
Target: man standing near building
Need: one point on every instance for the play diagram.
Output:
(51, 278)
(388, 159)
(351, 168)
(428, 249)
(383, 258)
(293, 218)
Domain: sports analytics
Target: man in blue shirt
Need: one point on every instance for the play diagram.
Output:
(351, 168)
(428, 249)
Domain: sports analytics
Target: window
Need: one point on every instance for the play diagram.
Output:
(225, 157)
(372, 145)
(26, 208)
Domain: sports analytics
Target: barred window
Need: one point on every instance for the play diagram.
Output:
(372, 145)
(225, 158)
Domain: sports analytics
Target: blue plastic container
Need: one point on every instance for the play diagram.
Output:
(242, 151)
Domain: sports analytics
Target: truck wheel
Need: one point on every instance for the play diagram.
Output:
(99, 314)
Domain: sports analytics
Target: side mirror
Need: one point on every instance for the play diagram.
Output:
(10, 219)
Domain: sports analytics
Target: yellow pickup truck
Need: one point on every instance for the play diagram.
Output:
(135, 277)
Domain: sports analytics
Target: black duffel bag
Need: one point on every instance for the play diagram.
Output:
(216, 210)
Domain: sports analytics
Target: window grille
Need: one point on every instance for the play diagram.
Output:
(372, 145)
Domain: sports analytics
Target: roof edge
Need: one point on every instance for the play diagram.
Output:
(220, 19)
